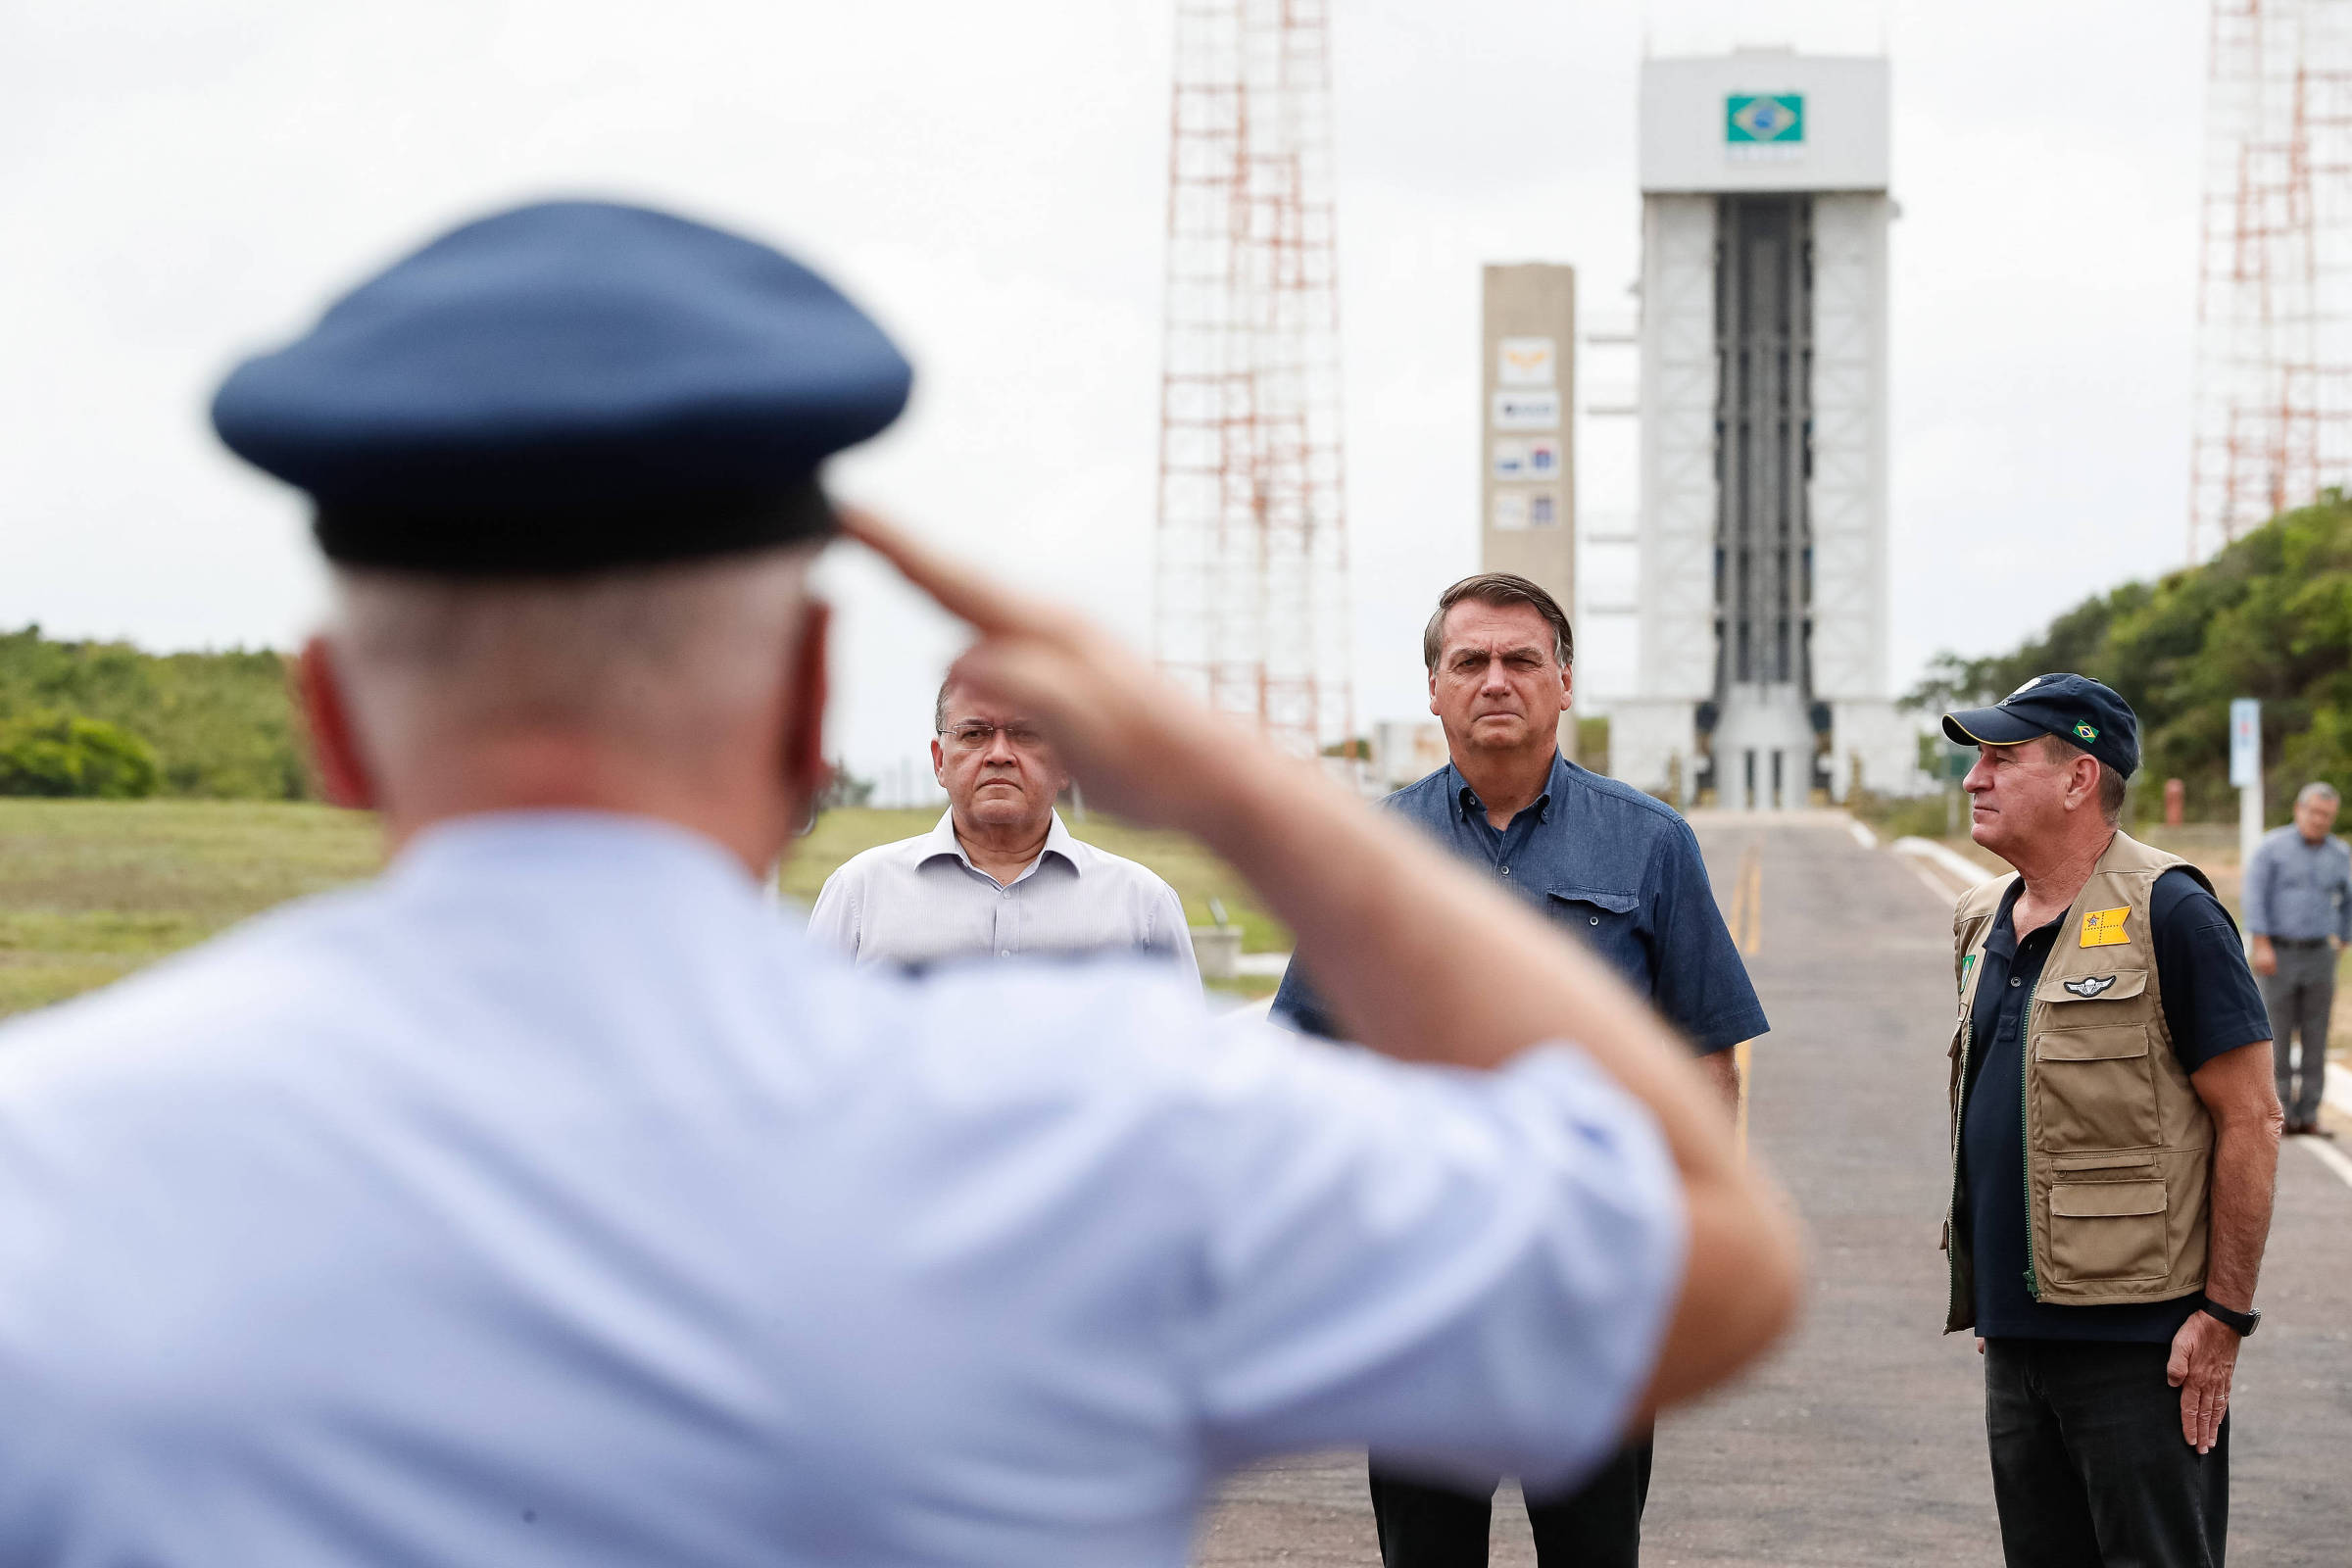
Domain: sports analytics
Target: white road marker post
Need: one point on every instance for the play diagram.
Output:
(2245, 771)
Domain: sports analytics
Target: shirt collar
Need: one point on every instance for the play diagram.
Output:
(941, 840)
(516, 842)
(2005, 937)
(2001, 940)
(1059, 840)
(1467, 805)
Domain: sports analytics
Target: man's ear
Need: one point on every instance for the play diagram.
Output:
(1433, 688)
(804, 756)
(335, 757)
(2090, 787)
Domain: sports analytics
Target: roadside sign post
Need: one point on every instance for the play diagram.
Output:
(2245, 771)
(1957, 761)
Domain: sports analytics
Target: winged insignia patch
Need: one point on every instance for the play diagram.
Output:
(2090, 985)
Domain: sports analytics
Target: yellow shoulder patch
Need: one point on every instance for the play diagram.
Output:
(2104, 928)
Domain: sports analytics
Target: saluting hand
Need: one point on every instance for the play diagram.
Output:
(2204, 1357)
(1141, 746)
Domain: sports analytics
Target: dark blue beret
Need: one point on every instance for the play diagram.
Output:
(569, 387)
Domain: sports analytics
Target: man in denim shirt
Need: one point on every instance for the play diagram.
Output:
(1610, 863)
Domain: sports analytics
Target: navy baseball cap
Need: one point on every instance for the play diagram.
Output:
(568, 387)
(2075, 709)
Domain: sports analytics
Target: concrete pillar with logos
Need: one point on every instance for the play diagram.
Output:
(1527, 506)
(1763, 620)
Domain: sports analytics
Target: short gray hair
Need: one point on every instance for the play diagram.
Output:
(2318, 790)
(657, 660)
(2112, 784)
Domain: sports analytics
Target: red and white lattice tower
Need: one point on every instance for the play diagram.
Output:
(2274, 413)
(1253, 543)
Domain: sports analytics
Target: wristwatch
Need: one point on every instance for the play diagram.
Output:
(2241, 1323)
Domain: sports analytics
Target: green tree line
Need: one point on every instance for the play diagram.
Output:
(108, 720)
(2270, 616)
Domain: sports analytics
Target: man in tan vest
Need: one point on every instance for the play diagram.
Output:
(2115, 1135)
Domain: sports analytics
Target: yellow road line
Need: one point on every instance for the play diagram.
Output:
(1749, 903)
(1740, 1056)
(1747, 934)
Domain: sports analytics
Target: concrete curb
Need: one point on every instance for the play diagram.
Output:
(1967, 872)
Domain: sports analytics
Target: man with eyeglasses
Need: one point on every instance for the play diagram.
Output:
(1001, 874)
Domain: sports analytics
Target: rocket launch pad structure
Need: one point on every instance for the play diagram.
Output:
(1762, 645)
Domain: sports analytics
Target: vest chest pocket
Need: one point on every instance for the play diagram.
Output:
(2095, 1085)
(2107, 1231)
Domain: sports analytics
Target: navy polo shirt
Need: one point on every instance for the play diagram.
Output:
(2212, 1008)
(1620, 869)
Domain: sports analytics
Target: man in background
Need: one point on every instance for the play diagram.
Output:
(1619, 870)
(2299, 912)
(1000, 875)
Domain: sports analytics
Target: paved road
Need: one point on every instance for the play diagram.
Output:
(1861, 1441)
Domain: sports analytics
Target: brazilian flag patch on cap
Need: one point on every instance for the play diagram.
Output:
(2085, 732)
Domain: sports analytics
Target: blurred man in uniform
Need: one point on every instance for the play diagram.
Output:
(545, 1201)
(2299, 913)
(1000, 876)
(1623, 873)
(2114, 1141)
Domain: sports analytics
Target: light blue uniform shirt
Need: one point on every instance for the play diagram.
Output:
(547, 1202)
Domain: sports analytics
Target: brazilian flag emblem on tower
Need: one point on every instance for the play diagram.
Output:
(1764, 117)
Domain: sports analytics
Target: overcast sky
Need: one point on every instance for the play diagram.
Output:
(187, 179)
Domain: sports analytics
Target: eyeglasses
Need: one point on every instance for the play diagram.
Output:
(976, 736)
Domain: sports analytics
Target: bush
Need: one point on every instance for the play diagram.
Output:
(218, 725)
(1593, 743)
(2270, 616)
(844, 788)
(43, 753)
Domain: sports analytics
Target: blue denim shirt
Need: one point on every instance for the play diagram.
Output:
(1618, 868)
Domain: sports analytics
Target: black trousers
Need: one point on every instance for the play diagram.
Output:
(2089, 1469)
(1597, 1526)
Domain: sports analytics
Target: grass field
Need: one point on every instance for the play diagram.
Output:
(91, 889)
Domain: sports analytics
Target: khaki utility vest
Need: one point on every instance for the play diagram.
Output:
(2119, 1148)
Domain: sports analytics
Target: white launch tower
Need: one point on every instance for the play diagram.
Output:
(1763, 652)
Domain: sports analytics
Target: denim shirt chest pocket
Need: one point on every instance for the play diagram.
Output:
(1609, 922)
